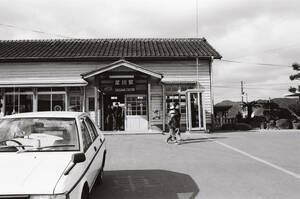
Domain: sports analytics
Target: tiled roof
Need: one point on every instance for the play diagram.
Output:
(105, 48)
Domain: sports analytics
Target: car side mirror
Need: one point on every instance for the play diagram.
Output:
(78, 157)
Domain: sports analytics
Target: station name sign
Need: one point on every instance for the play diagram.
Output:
(124, 85)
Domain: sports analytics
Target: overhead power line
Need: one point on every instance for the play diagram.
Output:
(253, 63)
(256, 88)
(271, 50)
(35, 31)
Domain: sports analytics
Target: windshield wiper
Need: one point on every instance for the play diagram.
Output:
(45, 147)
(54, 146)
(10, 146)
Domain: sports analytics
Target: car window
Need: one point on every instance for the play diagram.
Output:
(39, 134)
(86, 138)
(92, 128)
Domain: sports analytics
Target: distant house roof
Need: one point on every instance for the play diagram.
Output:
(14, 50)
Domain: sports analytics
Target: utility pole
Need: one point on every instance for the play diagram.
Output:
(242, 91)
(242, 102)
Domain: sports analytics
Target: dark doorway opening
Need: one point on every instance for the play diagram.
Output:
(114, 109)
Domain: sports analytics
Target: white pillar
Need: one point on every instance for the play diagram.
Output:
(149, 104)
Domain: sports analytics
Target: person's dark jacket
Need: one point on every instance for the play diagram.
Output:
(175, 120)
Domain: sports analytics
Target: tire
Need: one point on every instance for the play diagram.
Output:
(85, 193)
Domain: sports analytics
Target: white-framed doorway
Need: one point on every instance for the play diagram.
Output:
(195, 111)
(136, 113)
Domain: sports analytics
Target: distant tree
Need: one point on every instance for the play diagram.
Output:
(296, 76)
(295, 110)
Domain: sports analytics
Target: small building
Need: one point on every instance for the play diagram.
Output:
(142, 76)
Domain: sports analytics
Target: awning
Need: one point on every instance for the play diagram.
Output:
(174, 80)
(121, 63)
(42, 82)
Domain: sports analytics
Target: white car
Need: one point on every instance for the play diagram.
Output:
(43, 155)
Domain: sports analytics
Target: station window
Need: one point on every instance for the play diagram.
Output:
(18, 103)
(75, 102)
(18, 100)
(51, 99)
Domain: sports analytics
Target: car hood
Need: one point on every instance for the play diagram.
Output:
(31, 172)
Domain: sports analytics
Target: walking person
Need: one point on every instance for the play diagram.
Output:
(177, 118)
(171, 124)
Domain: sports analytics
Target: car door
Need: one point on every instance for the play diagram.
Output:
(88, 150)
(96, 145)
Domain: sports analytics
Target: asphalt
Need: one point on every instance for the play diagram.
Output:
(239, 165)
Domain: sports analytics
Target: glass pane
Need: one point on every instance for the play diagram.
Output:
(58, 89)
(44, 102)
(86, 138)
(25, 89)
(44, 89)
(11, 104)
(91, 104)
(194, 110)
(26, 103)
(136, 105)
(75, 103)
(58, 102)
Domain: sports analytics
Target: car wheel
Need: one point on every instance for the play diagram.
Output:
(85, 193)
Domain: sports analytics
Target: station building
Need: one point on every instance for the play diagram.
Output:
(143, 76)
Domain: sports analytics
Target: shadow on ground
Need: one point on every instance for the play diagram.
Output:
(195, 140)
(141, 184)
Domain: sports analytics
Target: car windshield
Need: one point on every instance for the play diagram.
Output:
(38, 134)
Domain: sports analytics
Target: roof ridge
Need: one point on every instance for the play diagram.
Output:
(105, 39)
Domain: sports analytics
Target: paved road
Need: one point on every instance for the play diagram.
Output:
(220, 165)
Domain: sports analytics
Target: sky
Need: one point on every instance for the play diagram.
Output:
(250, 32)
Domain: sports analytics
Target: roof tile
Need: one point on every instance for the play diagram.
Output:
(100, 48)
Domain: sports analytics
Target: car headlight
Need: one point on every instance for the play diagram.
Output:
(58, 196)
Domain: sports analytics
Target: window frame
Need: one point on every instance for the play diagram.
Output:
(83, 124)
(94, 129)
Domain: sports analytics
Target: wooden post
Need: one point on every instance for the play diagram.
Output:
(84, 100)
(102, 112)
(96, 101)
(164, 106)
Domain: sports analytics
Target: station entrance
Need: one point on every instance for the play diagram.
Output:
(125, 112)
